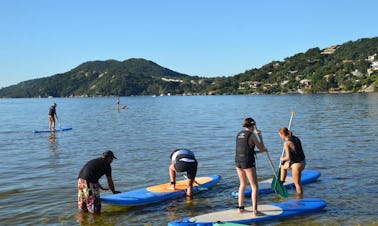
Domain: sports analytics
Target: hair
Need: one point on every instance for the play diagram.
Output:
(285, 131)
(248, 122)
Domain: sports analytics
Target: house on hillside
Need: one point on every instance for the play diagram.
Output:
(330, 50)
(374, 65)
(306, 83)
(249, 84)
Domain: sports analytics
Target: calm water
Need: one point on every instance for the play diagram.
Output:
(38, 183)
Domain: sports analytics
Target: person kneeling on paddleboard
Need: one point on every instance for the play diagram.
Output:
(183, 160)
(294, 158)
(88, 185)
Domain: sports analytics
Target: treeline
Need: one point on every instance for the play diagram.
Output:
(350, 67)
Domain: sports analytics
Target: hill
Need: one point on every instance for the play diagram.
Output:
(111, 77)
(349, 67)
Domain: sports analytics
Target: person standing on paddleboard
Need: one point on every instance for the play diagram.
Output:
(88, 185)
(119, 106)
(183, 160)
(52, 114)
(294, 158)
(246, 140)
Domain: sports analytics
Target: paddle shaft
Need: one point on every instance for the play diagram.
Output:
(289, 127)
(278, 186)
(267, 154)
(60, 126)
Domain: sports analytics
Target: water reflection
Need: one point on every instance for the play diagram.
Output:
(53, 144)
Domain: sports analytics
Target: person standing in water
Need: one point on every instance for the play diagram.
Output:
(52, 115)
(246, 140)
(183, 160)
(294, 158)
(88, 182)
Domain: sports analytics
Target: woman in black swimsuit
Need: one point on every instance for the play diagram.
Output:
(52, 115)
(246, 140)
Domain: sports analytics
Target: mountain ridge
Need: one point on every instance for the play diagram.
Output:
(349, 67)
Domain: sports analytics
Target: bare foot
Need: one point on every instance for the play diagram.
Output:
(172, 187)
(257, 213)
(240, 209)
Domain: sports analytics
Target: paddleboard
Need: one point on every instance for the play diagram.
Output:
(56, 130)
(270, 212)
(158, 193)
(308, 176)
(229, 224)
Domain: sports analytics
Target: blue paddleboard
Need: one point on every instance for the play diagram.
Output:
(308, 176)
(270, 212)
(158, 193)
(49, 131)
(228, 224)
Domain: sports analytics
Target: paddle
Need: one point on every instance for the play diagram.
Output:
(279, 187)
(276, 181)
(60, 126)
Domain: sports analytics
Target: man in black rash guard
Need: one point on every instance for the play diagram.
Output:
(89, 186)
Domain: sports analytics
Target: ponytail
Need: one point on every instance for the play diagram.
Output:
(285, 131)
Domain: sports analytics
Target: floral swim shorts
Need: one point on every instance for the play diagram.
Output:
(88, 196)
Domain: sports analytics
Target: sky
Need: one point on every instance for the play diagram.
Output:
(41, 38)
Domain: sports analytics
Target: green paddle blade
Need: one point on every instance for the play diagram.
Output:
(278, 186)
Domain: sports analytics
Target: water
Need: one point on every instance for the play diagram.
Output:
(39, 172)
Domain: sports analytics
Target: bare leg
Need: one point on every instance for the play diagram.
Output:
(252, 178)
(297, 174)
(189, 189)
(284, 172)
(51, 123)
(242, 181)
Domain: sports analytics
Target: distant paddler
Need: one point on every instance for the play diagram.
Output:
(119, 106)
(52, 115)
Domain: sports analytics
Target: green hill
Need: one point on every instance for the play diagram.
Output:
(349, 67)
(111, 77)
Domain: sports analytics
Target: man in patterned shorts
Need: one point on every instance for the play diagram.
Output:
(88, 185)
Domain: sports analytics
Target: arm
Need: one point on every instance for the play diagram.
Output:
(286, 157)
(259, 136)
(56, 115)
(111, 185)
(259, 144)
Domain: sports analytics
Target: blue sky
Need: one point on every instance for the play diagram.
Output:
(40, 38)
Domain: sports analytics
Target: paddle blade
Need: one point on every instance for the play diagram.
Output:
(278, 186)
(275, 179)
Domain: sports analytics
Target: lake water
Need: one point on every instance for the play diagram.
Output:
(38, 183)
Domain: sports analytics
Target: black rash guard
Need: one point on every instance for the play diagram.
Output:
(95, 169)
(296, 155)
(52, 111)
(245, 152)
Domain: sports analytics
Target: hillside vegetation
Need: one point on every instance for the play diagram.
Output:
(350, 67)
